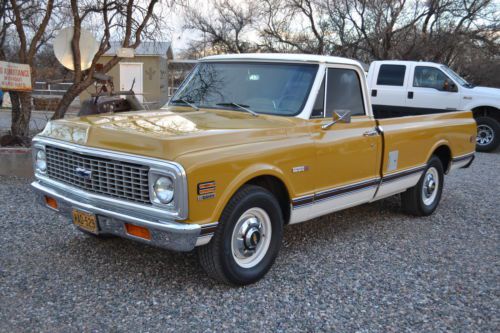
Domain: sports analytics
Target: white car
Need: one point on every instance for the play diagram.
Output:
(400, 88)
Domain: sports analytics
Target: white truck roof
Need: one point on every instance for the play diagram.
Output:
(406, 62)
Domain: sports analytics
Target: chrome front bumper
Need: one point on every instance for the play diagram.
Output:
(166, 234)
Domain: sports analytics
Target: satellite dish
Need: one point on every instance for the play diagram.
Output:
(63, 52)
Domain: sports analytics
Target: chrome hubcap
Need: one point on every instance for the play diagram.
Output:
(251, 237)
(485, 135)
(431, 183)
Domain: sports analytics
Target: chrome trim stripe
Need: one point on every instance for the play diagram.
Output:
(181, 188)
(303, 201)
(209, 228)
(346, 188)
(463, 161)
(353, 188)
(334, 192)
(462, 157)
(331, 204)
(403, 173)
(346, 193)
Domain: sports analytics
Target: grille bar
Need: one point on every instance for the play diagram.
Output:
(108, 177)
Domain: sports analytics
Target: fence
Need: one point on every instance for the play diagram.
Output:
(47, 95)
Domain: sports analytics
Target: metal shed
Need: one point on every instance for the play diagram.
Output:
(149, 68)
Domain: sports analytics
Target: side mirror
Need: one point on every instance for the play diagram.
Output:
(451, 87)
(339, 116)
(446, 86)
(342, 116)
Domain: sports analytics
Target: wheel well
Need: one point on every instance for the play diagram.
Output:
(444, 154)
(278, 189)
(486, 111)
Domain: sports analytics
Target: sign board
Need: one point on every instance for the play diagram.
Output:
(15, 77)
(125, 52)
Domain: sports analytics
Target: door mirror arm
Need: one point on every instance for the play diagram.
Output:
(339, 116)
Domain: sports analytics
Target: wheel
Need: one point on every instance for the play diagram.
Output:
(488, 134)
(247, 239)
(423, 198)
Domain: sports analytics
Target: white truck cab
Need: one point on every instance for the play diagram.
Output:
(415, 88)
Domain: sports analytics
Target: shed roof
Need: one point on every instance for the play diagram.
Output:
(162, 49)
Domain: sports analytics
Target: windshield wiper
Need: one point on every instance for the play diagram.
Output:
(241, 106)
(182, 100)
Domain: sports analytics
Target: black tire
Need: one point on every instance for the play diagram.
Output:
(217, 256)
(413, 200)
(485, 127)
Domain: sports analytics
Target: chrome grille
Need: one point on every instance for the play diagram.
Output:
(108, 177)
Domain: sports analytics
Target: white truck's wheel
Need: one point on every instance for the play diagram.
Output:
(488, 134)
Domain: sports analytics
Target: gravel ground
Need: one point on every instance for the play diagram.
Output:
(367, 269)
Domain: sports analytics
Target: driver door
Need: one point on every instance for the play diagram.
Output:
(427, 93)
(347, 153)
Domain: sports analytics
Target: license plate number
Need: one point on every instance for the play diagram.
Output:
(84, 220)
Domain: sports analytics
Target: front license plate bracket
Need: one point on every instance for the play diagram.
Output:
(84, 220)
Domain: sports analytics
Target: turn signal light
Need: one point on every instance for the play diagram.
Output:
(137, 231)
(51, 202)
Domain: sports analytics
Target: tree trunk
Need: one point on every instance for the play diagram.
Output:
(16, 106)
(66, 100)
(21, 114)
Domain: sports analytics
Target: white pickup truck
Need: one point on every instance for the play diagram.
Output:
(415, 88)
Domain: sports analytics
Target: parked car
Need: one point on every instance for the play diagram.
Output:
(414, 88)
(248, 145)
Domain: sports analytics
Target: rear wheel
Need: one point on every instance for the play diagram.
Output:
(488, 134)
(423, 198)
(247, 239)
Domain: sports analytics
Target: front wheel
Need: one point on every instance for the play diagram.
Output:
(247, 239)
(423, 198)
(488, 134)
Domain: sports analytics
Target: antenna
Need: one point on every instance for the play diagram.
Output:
(64, 53)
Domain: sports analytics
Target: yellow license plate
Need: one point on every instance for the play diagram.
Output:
(84, 220)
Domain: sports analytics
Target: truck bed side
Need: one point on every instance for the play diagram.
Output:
(410, 141)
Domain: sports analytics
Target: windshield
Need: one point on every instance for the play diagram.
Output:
(457, 77)
(279, 89)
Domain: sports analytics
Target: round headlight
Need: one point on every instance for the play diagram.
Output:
(41, 161)
(164, 189)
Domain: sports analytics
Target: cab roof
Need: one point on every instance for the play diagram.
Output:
(282, 57)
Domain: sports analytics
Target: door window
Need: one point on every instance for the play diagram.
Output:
(343, 92)
(430, 77)
(391, 75)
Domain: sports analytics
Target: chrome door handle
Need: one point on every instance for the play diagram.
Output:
(372, 132)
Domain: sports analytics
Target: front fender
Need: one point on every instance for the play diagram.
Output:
(249, 173)
(483, 103)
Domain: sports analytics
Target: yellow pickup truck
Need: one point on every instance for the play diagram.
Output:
(248, 144)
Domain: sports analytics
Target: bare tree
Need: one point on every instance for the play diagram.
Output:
(295, 26)
(224, 28)
(127, 20)
(30, 22)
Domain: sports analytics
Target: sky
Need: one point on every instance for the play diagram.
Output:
(179, 36)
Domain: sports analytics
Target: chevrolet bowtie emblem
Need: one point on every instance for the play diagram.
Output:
(83, 173)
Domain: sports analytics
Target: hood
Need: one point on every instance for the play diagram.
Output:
(485, 92)
(169, 133)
